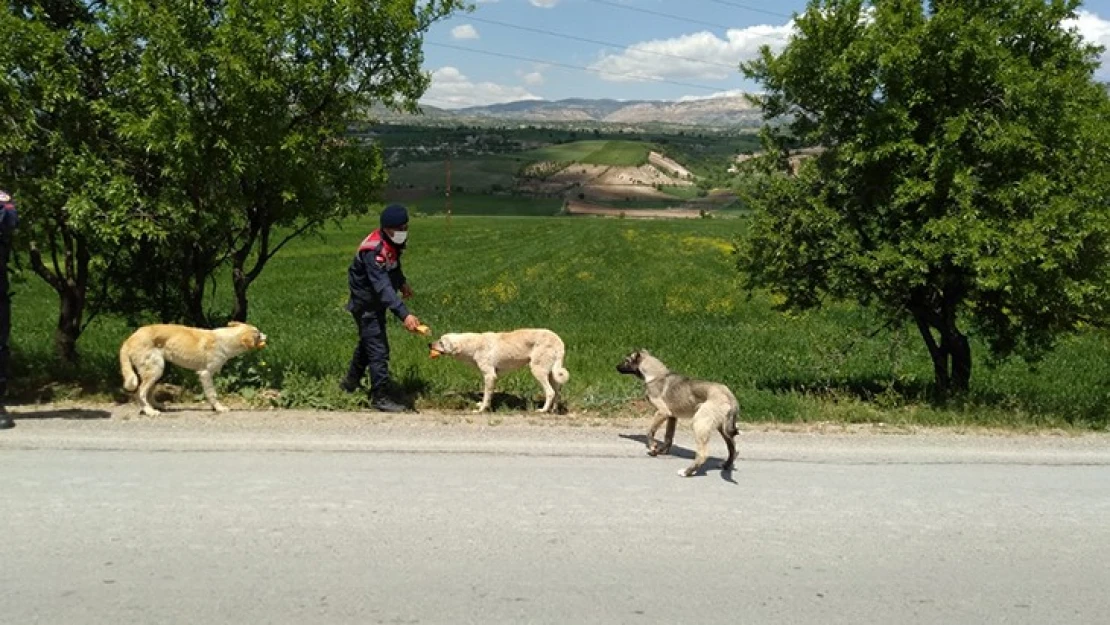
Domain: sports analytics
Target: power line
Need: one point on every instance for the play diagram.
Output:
(596, 41)
(751, 8)
(626, 7)
(576, 67)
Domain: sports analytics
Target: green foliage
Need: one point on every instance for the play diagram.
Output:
(246, 105)
(150, 143)
(964, 179)
(595, 152)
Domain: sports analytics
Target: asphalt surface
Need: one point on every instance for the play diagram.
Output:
(344, 518)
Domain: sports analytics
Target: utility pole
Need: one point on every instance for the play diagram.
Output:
(447, 188)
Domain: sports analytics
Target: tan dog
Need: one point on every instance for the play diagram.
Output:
(502, 352)
(205, 351)
(711, 405)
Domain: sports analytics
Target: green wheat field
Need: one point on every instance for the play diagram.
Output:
(606, 286)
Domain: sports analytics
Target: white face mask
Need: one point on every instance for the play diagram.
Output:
(399, 236)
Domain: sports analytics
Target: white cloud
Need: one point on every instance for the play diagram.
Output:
(452, 89)
(701, 55)
(1095, 30)
(465, 31)
(544, 4)
(533, 78)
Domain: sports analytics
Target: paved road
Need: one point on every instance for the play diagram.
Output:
(182, 520)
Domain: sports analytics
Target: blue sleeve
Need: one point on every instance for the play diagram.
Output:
(379, 278)
(9, 219)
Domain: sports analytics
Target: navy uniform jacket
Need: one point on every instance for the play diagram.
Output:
(9, 218)
(375, 276)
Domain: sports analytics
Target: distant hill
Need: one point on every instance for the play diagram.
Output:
(711, 112)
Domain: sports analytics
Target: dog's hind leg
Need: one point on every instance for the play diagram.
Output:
(730, 463)
(542, 375)
(210, 390)
(490, 377)
(150, 370)
(703, 428)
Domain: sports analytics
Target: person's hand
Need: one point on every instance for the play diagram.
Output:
(412, 324)
(406, 291)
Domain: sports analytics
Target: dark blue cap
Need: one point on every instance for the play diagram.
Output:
(394, 216)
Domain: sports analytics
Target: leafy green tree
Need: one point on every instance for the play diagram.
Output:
(73, 179)
(247, 103)
(964, 184)
(152, 142)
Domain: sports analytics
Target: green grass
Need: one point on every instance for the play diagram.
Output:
(594, 152)
(606, 286)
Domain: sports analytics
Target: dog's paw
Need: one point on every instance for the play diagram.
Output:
(150, 412)
(220, 408)
(687, 472)
(653, 452)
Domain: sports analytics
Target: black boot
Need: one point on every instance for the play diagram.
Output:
(384, 403)
(347, 385)
(382, 399)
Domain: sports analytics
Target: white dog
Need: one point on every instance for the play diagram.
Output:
(498, 352)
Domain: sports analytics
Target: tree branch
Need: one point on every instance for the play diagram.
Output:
(41, 270)
(263, 259)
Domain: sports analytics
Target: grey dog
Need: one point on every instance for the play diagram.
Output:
(710, 405)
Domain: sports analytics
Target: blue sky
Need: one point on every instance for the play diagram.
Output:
(497, 54)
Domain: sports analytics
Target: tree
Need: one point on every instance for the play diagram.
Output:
(248, 103)
(76, 184)
(149, 143)
(964, 181)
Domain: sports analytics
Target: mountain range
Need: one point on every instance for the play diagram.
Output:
(719, 112)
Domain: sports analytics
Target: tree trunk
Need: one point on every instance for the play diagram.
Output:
(68, 275)
(951, 355)
(937, 352)
(194, 305)
(960, 353)
(241, 283)
(70, 313)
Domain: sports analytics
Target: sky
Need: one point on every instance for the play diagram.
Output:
(508, 50)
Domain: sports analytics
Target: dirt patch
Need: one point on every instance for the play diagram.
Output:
(573, 174)
(583, 208)
(669, 166)
(598, 182)
(645, 175)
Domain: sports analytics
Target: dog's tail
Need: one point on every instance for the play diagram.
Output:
(733, 413)
(127, 368)
(559, 372)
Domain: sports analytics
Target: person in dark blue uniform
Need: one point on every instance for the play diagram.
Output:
(9, 219)
(377, 284)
